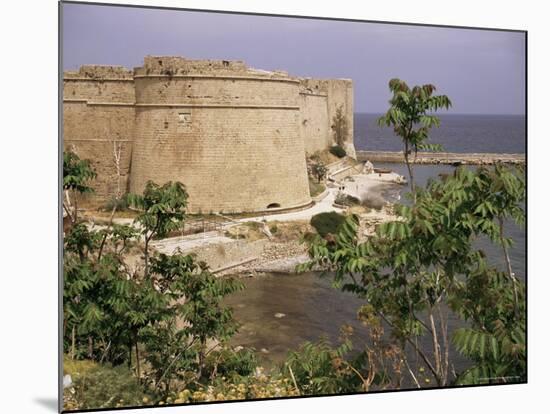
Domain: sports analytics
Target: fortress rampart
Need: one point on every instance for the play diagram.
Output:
(237, 137)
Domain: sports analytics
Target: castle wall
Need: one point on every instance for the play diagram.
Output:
(340, 94)
(98, 116)
(233, 139)
(314, 124)
(321, 100)
(235, 136)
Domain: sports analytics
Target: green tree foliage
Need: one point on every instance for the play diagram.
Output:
(422, 264)
(340, 127)
(162, 210)
(338, 151)
(170, 316)
(77, 174)
(319, 170)
(411, 116)
(326, 223)
(174, 351)
(320, 369)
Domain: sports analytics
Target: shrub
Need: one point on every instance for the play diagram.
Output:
(326, 223)
(229, 362)
(321, 369)
(257, 385)
(103, 386)
(338, 151)
(347, 200)
(120, 204)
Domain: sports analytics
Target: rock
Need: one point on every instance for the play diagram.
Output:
(266, 231)
(67, 381)
(374, 201)
(368, 168)
(264, 351)
(279, 315)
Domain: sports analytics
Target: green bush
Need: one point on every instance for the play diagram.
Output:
(103, 386)
(121, 204)
(326, 223)
(231, 363)
(338, 151)
(347, 200)
(320, 369)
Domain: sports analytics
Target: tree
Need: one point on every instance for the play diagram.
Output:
(340, 126)
(503, 193)
(424, 262)
(195, 296)
(162, 211)
(76, 175)
(319, 170)
(411, 117)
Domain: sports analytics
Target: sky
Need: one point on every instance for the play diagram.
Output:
(482, 71)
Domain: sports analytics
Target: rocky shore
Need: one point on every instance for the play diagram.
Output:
(282, 256)
(277, 257)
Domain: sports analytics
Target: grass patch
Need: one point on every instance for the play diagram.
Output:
(315, 188)
(101, 386)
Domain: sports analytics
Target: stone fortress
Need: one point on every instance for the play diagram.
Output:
(237, 137)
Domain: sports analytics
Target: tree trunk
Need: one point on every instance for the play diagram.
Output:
(201, 358)
(90, 347)
(130, 356)
(146, 255)
(437, 353)
(137, 363)
(75, 208)
(509, 266)
(73, 342)
(444, 334)
(410, 169)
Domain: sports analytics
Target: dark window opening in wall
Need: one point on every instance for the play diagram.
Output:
(184, 121)
(274, 205)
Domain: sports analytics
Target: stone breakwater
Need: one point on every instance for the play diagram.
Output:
(442, 158)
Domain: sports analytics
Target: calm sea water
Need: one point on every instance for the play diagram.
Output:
(457, 133)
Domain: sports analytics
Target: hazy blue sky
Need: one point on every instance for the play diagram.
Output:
(481, 71)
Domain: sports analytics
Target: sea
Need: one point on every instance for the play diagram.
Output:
(457, 133)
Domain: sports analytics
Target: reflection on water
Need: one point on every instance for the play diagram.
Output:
(280, 312)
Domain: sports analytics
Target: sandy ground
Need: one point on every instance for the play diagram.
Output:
(362, 186)
(169, 246)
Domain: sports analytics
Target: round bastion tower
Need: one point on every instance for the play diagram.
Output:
(230, 133)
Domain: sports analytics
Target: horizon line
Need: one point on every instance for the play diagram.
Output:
(451, 113)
